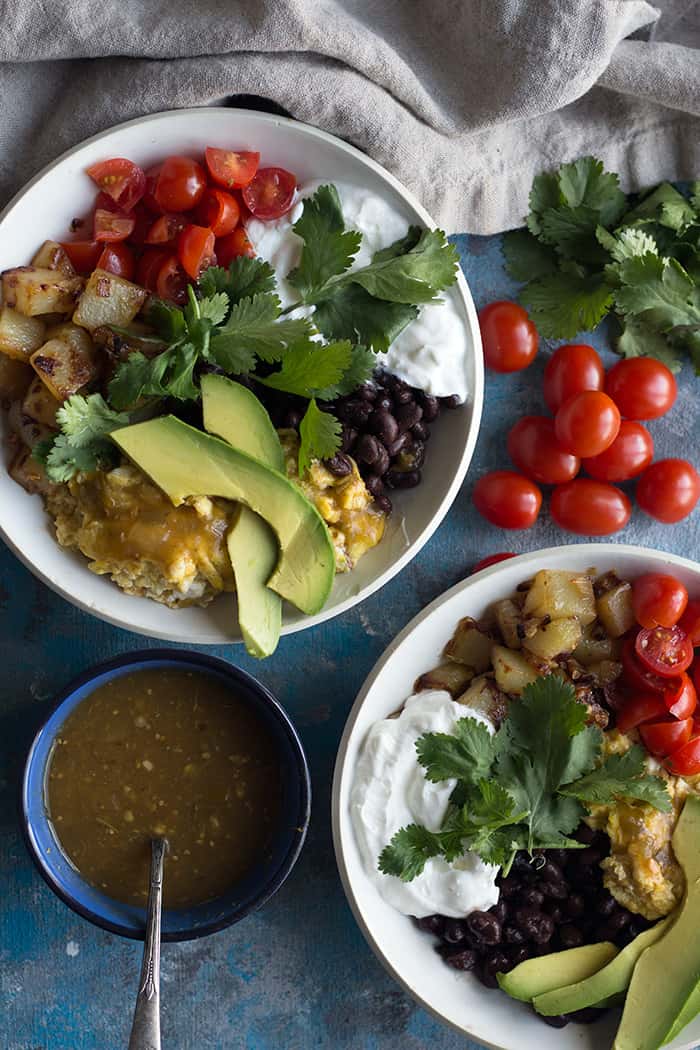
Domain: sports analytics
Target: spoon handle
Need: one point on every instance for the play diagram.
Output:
(145, 1030)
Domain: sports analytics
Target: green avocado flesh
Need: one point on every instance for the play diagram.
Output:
(233, 412)
(663, 993)
(602, 986)
(534, 977)
(184, 462)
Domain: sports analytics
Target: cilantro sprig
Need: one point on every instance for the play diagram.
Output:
(526, 786)
(83, 443)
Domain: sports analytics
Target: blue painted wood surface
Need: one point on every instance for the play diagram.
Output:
(298, 974)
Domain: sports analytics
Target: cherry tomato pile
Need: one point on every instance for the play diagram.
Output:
(163, 226)
(595, 428)
(661, 674)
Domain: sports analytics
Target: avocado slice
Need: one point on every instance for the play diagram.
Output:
(234, 413)
(604, 985)
(183, 461)
(536, 976)
(663, 992)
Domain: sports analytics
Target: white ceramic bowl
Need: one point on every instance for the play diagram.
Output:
(62, 191)
(408, 954)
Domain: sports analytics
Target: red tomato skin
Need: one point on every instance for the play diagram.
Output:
(668, 490)
(149, 266)
(195, 249)
(118, 259)
(171, 283)
(665, 651)
(508, 335)
(685, 761)
(111, 226)
(570, 370)
(270, 193)
(83, 254)
(658, 599)
(533, 447)
(181, 184)
(641, 387)
(122, 180)
(149, 198)
(507, 499)
(663, 738)
(229, 248)
(491, 559)
(219, 211)
(640, 708)
(681, 700)
(630, 453)
(590, 508)
(587, 423)
(690, 621)
(165, 229)
(635, 676)
(232, 169)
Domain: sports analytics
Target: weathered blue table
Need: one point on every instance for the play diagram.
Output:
(298, 974)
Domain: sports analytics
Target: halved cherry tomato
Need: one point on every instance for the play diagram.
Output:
(149, 267)
(219, 211)
(195, 249)
(492, 559)
(237, 243)
(695, 672)
(171, 282)
(570, 370)
(120, 179)
(665, 651)
(690, 621)
(658, 599)
(143, 220)
(112, 226)
(535, 451)
(668, 490)
(641, 708)
(587, 423)
(106, 203)
(641, 387)
(630, 453)
(233, 169)
(590, 508)
(507, 499)
(663, 738)
(166, 229)
(685, 762)
(83, 254)
(118, 259)
(682, 699)
(271, 193)
(635, 676)
(509, 337)
(181, 184)
(149, 197)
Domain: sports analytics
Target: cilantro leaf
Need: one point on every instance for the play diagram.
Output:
(243, 279)
(170, 374)
(543, 195)
(466, 753)
(253, 330)
(659, 290)
(167, 320)
(526, 257)
(215, 307)
(695, 196)
(621, 776)
(572, 231)
(63, 460)
(328, 248)
(638, 339)
(627, 242)
(358, 371)
(407, 853)
(352, 313)
(415, 277)
(665, 205)
(83, 419)
(561, 305)
(585, 182)
(399, 247)
(320, 436)
(309, 367)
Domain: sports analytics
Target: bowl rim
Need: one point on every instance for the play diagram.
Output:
(200, 661)
(475, 400)
(340, 820)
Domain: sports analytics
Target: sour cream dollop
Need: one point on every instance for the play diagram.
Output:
(432, 352)
(390, 790)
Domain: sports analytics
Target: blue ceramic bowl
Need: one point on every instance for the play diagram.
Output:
(246, 895)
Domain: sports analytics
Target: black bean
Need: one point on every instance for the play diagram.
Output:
(384, 504)
(555, 911)
(513, 935)
(292, 419)
(518, 955)
(431, 924)
(396, 446)
(451, 401)
(586, 858)
(487, 978)
(559, 856)
(340, 465)
(618, 919)
(403, 395)
(375, 485)
(430, 406)
(559, 1021)
(532, 897)
(464, 960)
(500, 910)
(383, 403)
(455, 931)
(537, 926)
(570, 936)
(584, 834)
(347, 438)
(550, 871)
(523, 866)
(499, 962)
(588, 1015)
(420, 431)
(354, 411)
(407, 415)
(485, 928)
(368, 392)
(402, 479)
(510, 887)
(605, 904)
(625, 937)
(382, 462)
(413, 457)
(575, 905)
(369, 449)
(383, 424)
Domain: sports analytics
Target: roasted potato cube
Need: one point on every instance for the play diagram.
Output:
(40, 291)
(28, 430)
(15, 377)
(53, 256)
(470, 646)
(509, 618)
(65, 364)
(39, 403)
(595, 645)
(605, 672)
(513, 671)
(450, 676)
(108, 300)
(29, 473)
(554, 638)
(484, 696)
(20, 336)
(561, 595)
(615, 609)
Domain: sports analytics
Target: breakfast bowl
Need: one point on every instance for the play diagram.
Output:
(285, 776)
(406, 951)
(48, 205)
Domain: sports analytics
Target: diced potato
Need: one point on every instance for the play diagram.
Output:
(39, 403)
(450, 676)
(509, 619)
(554, 638)
(595, 645)
(606, 671)
(29, 473)
(53, 256)
(65, 366)
(513, 671)
(72, 334)
(20, 336)
(470, 646)
(15, 377)
(108, 300)
(615, 609)
(484, 696)
(40, 291)
(28, 430)
(560, 595)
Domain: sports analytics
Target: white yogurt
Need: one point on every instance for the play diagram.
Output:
(432, 352)
(390, 790)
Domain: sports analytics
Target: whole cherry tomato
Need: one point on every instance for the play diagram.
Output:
(171, 282)
(507, 499)
(630, 453)
(491, 559)
(658, 599)
(668, 490)
(112, 226)
(682, 698)
(219, 211)
(181, 184)
(685, 761)
(570, 370)
(641, 387)
(664, 738)
(120, 179)
(195, 249)
(510, 338)
(641, 708)
(665, 651)
(533, 447)
(232, 169)
(229, 248)
(149, 196)
(270, 194)
(690, 620)
(590, 508)
(587, 423)
(83, 254)
(118, 259)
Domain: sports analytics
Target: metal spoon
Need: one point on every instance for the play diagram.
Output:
(145, 1029)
